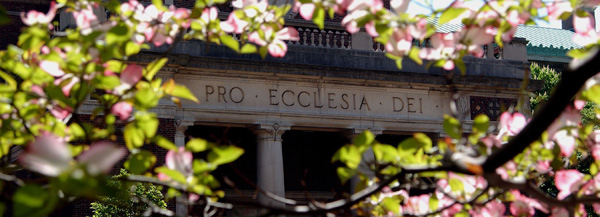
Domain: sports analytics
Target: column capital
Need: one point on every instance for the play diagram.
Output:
(351, 133)
(269, 131)
(181, 126)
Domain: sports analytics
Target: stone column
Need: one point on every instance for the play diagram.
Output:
(181, 207)
(269, 163)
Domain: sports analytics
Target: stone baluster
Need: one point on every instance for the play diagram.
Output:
(336, 39)
(315, 37)
(301, 36)
(321, 35)
(328, 38)
(344, 40)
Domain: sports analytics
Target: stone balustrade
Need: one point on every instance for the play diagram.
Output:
(323, 38)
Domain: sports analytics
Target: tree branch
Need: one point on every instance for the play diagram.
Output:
(573, 79)
(343, 203)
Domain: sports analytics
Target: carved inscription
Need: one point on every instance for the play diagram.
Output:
(315, 98)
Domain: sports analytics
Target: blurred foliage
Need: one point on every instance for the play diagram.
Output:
(123, 205)
(551, 78)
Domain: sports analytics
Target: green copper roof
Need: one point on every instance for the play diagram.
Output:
(537, 36)
(546, 37)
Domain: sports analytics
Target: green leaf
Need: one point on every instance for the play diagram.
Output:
(592, 94)
(577, 53)
(76, 131)
(413, 54)
(408, 147)
(385, 153)
(452, 127)
(230, 42)
(164, 143)
(106, 82)
(399, 63)
(456, 185)
(8, 80)
(132, 48)
(158, 4)
(224, 154)
(154, 67)
(134, 138)
(391, 204)
(197, 145)
(345, 173)
(146, 99)
(31, 201)
(593, 169)
(423, 141)
(319, 17)
(173, 174)
(481, 123)
(118, 34)
(450, 14)
(201, 166)
(263, 51)
(147, 123)
(364, 138)
(140, 162)
(349, 155)
(177, 90)
(433, 202)
(460, 64)
(248, 48)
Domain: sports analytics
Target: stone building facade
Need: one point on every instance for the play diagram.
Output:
(291, 114)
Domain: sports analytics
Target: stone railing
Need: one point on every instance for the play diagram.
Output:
(323, 38)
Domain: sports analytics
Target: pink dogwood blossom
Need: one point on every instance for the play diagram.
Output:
(52, 68)
(47, 154)
(132, 74)
(101, 157)
(122, 110)
(306, 10)
(562, 130)
(557, 8)
(400, 42)
(493, 208)
(585, 30)
(233, 24)
(50, 155)
(276, 46)
(399, 6)
(179, 160)
(593, 143)
(34, 17)
(524, 206)
(417, 205)
(85, 18)
(567, 182)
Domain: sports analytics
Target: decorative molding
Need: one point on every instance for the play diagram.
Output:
(462, 106)
(547, 51)
(490, 106)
